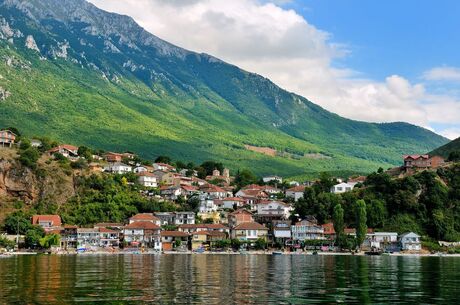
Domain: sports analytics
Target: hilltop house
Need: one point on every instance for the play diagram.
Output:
(147, 179)
(68, 151)
(231, 202)
(118, 168)
(7, 138)
(295, 192)
(113, 157)
(410, 242)
(145, 217)
(163, 167)
(276, 179)
(422, 162)
(343, 187)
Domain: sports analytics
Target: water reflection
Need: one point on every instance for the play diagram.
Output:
(222, 279)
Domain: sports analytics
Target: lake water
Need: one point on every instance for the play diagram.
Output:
(228, 279)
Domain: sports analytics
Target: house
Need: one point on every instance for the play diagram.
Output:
(307, 230)
(422, 162)
(145, 217)
(238, 217)
(109, 237)
(140, 169)
(172, 192)
(128, 155)
(109, 225)
(232, 202)
(113, 157)
(118, 168)
(254, 193)
(35, 143)
(250, 231)
(207, 206)
(217, 227)
(143, 234)
(88, 238)
(68, 151)
(214, 191)
(199, 239)
(166, 218)
(295, 192)
(387, 241)
(329, 232)
(281, 230)
(69, 237)
(190, 228)
(188, 190)
(163, 167)
(273, 209)
(410, 242)
(343, 187)
(358, 179)
(47, 222)
(276, 179)
(147, 179)
(7, 138)
(184, 218)
(170, 239)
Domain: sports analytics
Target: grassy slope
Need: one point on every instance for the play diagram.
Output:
(445, 150)
(87, 109)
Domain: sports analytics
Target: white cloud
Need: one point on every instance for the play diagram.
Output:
(281, 45)
(442, 74)
(451, 133)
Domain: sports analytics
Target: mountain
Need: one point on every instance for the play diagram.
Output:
(78, 74)
(445, 150)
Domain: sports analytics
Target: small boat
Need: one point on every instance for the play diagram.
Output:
(277, 253)
(373, 253)
(315, 253)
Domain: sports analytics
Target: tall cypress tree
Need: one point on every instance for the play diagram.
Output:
(338, 224)
(361, 222)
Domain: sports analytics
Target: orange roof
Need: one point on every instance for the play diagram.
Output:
(193, 226)
(174, 234)
(200, 233)
(188, 188)
(216, 226)
(252, 187)
(250, 226)
(241, 211)
(145, 217)
(255, 193)
(54, 219)
(108, 225)
(142, 225)
(233, 199)
(328, 228)
(65, 146)
(297, 189)
(146, 174)
(104, 230)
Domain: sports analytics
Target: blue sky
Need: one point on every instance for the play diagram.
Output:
(376, 61)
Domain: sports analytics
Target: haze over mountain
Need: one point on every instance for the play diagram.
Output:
(445, 150)
(81, 75)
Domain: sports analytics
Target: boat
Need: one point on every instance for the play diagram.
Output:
(373, 253)
(277, 253)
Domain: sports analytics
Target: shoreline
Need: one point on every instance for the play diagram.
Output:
(258, 253)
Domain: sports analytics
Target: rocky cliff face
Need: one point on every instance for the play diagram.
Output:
(17, 182)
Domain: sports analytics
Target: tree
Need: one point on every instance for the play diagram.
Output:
(33, 236)
(261, 244)
(85, 152)
(29, 157)
(376, 213)
(163, 159)
(49, 240)
(15, 221)
(236, 243)
(361, 222)
(6, 243)
(339, 225)
(454, 156)
(245, 177)
(210, 166)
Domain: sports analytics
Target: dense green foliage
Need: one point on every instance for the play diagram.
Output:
(361, 222)
(337, 218)
(157, 99)
(445, 151)
(427, 203)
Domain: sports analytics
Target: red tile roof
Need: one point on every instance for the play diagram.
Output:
(104, 230)
(142, 225)
(415, 157)
(54, 219)
(65, 146)
(233, 199)
(144, 217)
(297, 189)
(250, 226)
(216, 226)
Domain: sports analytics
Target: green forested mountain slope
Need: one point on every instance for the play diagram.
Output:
(445, 150)
(81, 75)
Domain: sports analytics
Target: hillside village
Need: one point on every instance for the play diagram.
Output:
(230, 211)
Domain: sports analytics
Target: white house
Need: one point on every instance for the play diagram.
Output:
(231, 202)
(118, 168)
(143, 233)
(274, 208)
(183, 218)
(163, 167)
(140, 169)
(342, 187)
(410, 242)
(381, 240)
(147, 179)
(250, 231)
(272, 178)
(295, 192)
(207, 205)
